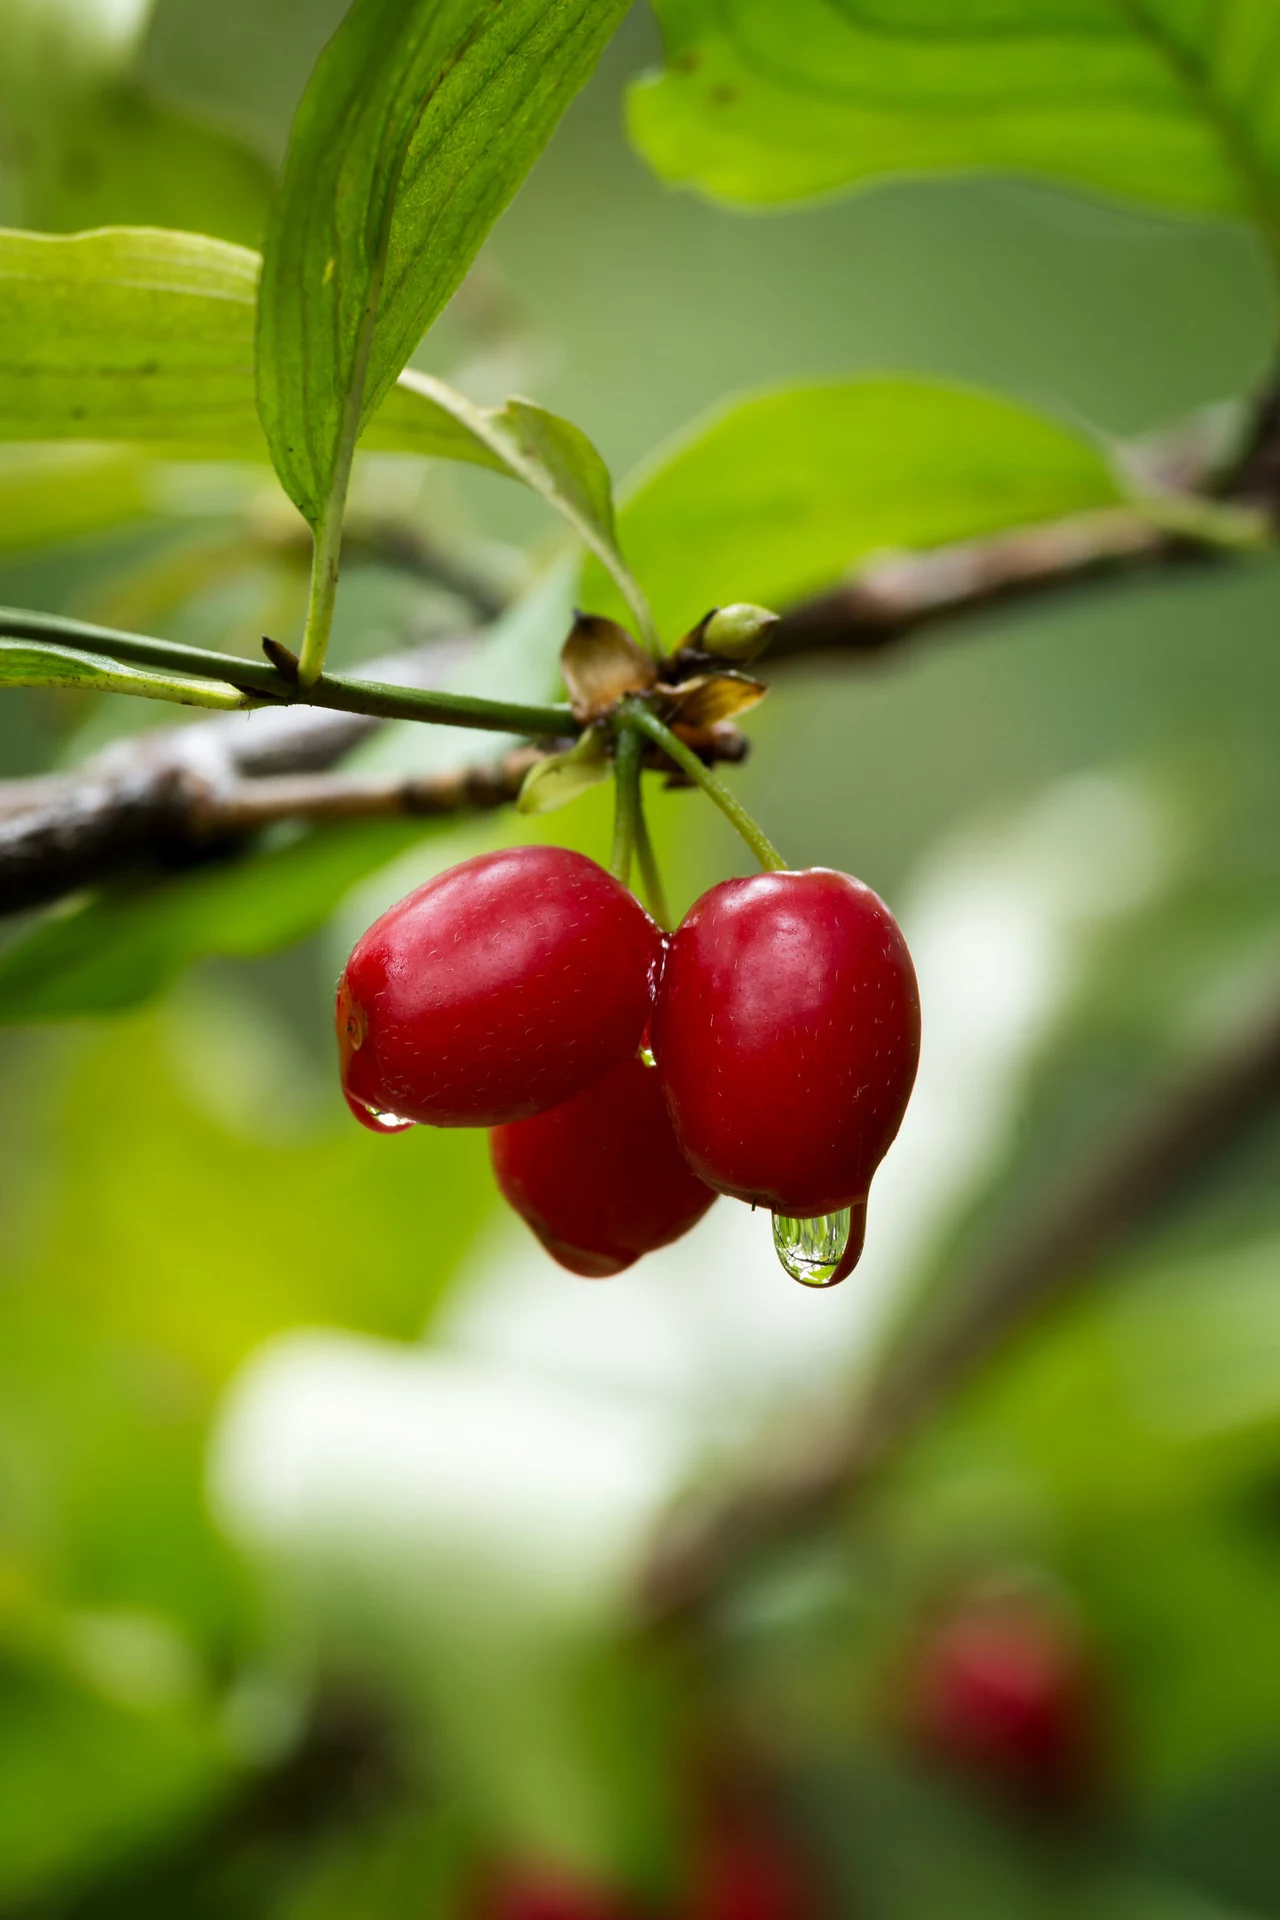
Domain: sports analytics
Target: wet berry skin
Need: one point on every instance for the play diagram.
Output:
(787, 1032)
(600, 1179)
(498, 989)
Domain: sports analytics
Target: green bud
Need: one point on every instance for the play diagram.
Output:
(739, 632)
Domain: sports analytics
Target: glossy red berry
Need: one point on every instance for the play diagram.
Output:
(502, 987)
(787, 1032)
(1003, 1692)
(600, 1179)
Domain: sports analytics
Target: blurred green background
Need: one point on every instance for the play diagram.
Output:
(323, 1494)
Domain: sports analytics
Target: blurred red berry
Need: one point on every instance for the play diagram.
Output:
(1002, 1691)
(544, 1893)
(750, 1871)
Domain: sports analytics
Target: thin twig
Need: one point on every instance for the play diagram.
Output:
(129, 804)
(900, 594)
(1082, 1223)
(120, 809)
(249, 805)
(80, 834)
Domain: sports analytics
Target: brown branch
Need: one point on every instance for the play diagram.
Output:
(901, 594)
(249, 805)
(178, 816)
(136, 804)
(1085, 1221)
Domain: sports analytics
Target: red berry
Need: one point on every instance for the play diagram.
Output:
(751, 1872)
(535, 1893)
(500, 988)
(600, 1179)
(1002, 1691)
(787, 1031)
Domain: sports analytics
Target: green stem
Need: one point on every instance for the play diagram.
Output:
(326, 548)
(333, 691)
(444, 709)
(17, 623)
(626, 803)
(1211, 523)
(327, 530)
(650, 877)
(688, 762)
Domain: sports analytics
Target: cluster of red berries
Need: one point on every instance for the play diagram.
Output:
(764, 1050)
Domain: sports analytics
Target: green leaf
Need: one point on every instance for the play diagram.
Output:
(547, 453)
(84, 1777)
(1156, 100)
(140, 336)
(26, 664)
(779, 494)
(419, 123)
(129, 334)
(552, 783)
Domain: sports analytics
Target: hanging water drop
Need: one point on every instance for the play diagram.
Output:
(811, 1250)
(376, 1118)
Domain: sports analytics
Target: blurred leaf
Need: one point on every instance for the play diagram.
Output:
(87, 147)
(25, 664)
(128, 334)
(84, 1779)
(779, 493)
(141, 336)
(1165, 103)
(121, 947)
(102, 1482)
(49, 494)
(911, 1845)
(363, 1859)
(277, 1225)
(418, 124)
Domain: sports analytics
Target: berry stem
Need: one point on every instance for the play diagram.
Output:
(650, 877)
(626, 792)
(688, 762)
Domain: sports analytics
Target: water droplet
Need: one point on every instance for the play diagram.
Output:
(376, 1118)
(648, 1057)
(811, 1250)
